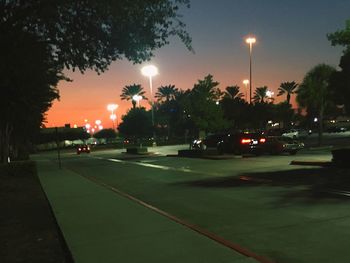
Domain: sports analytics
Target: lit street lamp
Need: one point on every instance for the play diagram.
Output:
(112, 107)
(150, 71)
(269, 93)
(137, 98)
(250, 41)
(246, 82)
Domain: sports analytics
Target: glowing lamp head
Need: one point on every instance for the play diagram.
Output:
(250, 40)
(136, 97)
(98, 122)
(246, 82)
(269, 93)
(149, 71)
(112, 107)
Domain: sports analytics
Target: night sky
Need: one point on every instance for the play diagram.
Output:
(291, 39)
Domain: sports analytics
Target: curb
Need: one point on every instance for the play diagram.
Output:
(312, 163)
(320, 148)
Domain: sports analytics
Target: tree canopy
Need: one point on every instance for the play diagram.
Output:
(315, 92)
(260, 94)
(288, 88)
(91, 34)
(40, 38)
(341, 79)
(130, 91)
(341, 37)
(136, 124)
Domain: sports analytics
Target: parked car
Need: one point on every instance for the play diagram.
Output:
(280, 144)
(237, 143)
(83, 149)
(295, 133)
(336, 129)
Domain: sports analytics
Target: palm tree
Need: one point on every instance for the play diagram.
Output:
(260, 94)
(166, 92)
(287, 88)
(232, 92)
(207, 88)
(315, 94)
(130, 91)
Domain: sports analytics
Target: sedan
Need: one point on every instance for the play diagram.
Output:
(280, 144)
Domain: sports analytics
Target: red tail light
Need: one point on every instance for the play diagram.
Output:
(262, 140)
(245, 141)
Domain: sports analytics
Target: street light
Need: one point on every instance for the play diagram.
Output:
(112, 107)
(250, 41)
(246, 82)
(269, 93)
(137, 98)
(150, 71)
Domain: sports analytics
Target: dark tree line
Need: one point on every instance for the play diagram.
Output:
(324, 92)
(204, 108)
(40, 38)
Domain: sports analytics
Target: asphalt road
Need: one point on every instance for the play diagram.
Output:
(261, 203)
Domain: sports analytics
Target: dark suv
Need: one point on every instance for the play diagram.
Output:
(236, 143)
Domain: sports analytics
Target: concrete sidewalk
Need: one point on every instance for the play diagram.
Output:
(101, 226)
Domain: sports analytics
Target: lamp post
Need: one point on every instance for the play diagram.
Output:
(250, 41)
(246, 82)
(151, 71)
(112, 107)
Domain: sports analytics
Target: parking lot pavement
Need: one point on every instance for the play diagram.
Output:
(102, 226)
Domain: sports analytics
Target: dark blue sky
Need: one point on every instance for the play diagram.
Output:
(291, 38)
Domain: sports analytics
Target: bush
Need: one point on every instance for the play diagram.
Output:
(341, 157)
(19, 168)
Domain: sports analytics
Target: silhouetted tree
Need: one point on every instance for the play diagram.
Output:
(340, 80)
(341, 37)
(136, 124)
(288, 88)
(201, 106)
(233, 92)
(43, 37)
(166, 92)
(28, 79)
(130, 91)
(260, 94)
(314, 92)
(105, 134)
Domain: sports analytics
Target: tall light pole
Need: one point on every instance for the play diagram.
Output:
(150, 71)
(246, 82)
(250, 41)
(112, 107)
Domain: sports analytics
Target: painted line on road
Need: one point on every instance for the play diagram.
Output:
(233, 246)
(161, 167)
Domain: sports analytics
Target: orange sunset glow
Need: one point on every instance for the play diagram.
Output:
(284, 51)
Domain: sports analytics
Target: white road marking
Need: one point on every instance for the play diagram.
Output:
(161, 167)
